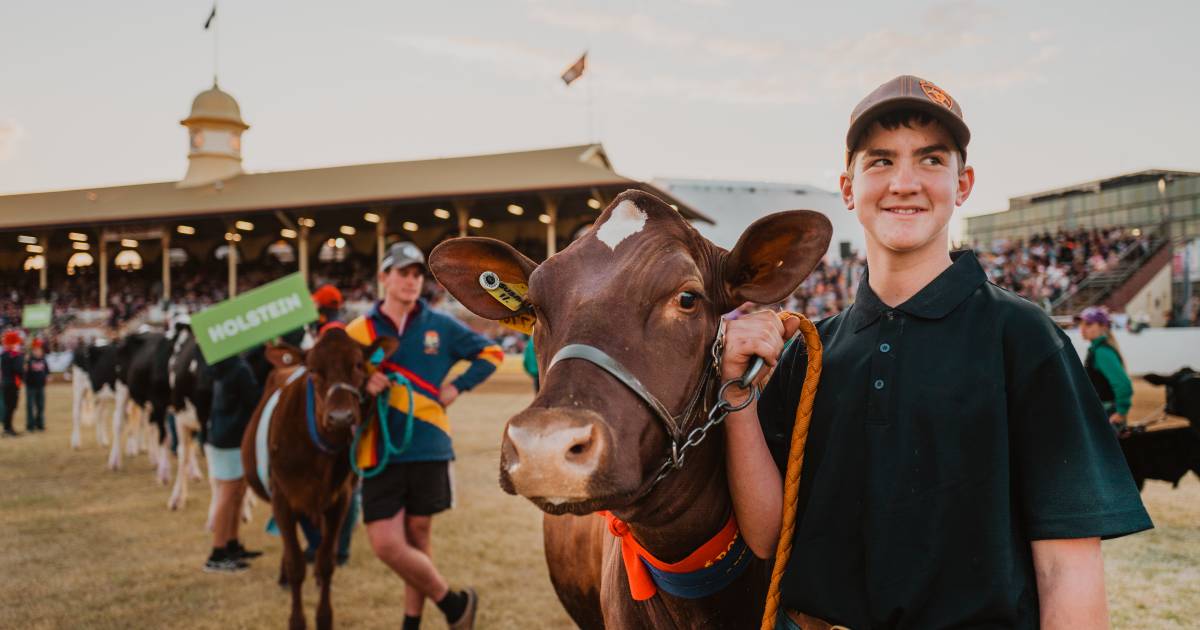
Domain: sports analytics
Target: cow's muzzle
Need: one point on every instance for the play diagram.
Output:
(551, 455)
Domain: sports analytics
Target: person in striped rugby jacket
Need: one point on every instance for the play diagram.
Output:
(415, 482)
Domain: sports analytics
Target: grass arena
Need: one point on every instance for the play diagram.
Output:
(81, 547)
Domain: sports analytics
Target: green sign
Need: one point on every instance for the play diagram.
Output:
(253, 317)
(35, 316)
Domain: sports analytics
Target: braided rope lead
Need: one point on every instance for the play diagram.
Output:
(791, 483)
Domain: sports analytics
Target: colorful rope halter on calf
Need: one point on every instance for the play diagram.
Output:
(373, 446)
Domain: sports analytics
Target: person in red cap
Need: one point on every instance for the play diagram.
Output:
(328, 300)
(959, 470)
(36, 371)
(12, 366)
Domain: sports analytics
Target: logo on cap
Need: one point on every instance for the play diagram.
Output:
(937, 95)
(410, 250)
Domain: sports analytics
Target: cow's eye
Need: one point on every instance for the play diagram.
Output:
(688, 300)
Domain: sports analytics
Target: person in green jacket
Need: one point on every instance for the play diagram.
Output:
(1105, 365)
(531, 367)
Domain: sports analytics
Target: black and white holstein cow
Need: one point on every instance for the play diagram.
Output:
(190, 403)
(141, 375)
(1167, 454)
(93, 378)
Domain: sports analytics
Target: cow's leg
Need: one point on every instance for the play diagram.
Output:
(100, 401)
(331, 525)
(193, 455)
(293, 557)
(79, 389)
(179, 494)
(248, 503)
(120, 400)
(133, 413)
(164, 462)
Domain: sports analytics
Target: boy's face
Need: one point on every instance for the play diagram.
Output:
(904, 187)
(403, 284)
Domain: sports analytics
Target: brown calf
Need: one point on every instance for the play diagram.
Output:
(309, 468)
(645, 289)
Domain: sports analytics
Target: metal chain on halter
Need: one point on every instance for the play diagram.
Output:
(720, 410)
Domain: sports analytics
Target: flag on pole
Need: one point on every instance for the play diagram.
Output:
(211, 16)
(576, 70)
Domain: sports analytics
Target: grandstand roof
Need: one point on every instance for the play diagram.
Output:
(1097, 185)
(562, 168)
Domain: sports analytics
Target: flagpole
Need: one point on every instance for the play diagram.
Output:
(216, 44)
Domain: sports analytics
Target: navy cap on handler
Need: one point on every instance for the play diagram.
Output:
(401, 255)
(908, 92)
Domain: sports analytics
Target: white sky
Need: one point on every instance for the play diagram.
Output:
(1055, 92)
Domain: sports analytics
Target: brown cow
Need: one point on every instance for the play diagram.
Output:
(645, 289)
(309, 469)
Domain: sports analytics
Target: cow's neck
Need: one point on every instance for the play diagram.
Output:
(687, 508)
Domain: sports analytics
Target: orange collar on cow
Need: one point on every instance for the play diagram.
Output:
(716, 563)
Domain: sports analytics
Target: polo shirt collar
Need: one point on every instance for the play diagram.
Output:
(377, 313)
(936, 300)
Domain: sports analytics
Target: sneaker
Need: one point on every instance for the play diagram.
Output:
(235, 550)
(467, 620)
(221, 562)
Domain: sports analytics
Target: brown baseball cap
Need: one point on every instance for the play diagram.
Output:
(908, 92)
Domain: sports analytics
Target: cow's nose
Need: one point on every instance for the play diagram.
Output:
(341, 417)
(552, 455)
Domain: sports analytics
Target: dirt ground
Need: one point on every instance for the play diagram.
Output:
(81, 547)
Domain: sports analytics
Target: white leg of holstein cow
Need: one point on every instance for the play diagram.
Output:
(193, 459)
(179, 494)
(118, 421)
(248, 503)
(101, 426)
(162, 451)
(133, 415)
(79, 388)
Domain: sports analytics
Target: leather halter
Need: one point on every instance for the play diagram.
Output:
(311, 416)
(674, 424)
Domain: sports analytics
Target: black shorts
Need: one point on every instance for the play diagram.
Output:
(420, 488)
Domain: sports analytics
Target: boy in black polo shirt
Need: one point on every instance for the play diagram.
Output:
(959, 470)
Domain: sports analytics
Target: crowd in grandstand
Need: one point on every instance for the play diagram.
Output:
(1042, 268)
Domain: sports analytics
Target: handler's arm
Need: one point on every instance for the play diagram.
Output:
(754, 481)
(1070, 583)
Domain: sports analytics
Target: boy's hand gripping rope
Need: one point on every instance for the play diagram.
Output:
(381, 415)
(791, 480)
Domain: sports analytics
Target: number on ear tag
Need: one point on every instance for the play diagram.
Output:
(511, 295)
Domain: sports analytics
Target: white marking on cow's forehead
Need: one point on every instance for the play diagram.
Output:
(625, 221)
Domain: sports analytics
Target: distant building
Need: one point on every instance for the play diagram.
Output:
(1146, 200)
(734, 205)
(1165, 205)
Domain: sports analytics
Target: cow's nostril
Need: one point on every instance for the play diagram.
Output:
(580, 446)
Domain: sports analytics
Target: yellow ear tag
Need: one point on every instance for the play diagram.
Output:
(512, 296)
(521, 322)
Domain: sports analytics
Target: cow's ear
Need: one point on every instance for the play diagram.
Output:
(458, 263)
(285, 356)
(384, 345)
(773, 256)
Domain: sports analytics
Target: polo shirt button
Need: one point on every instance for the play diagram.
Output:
(884, 347)
(891, 314)
(878, 383)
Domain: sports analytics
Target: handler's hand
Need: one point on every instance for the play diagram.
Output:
(377, 383)
(757, 334)
(449, 393)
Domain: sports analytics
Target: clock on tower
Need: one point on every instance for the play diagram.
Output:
(215, 129)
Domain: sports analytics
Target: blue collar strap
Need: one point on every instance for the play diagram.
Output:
(708, 580)
(310, 413)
